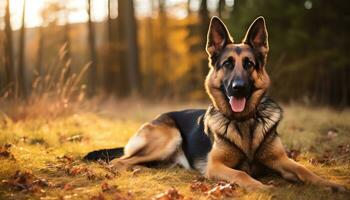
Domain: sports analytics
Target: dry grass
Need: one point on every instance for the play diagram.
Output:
(55, 90)
(40, 144)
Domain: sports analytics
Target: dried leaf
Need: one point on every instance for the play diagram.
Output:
(105, 187)
(326, 159)
(67, 186)
(121, 196)
(109, 176)
(222, 190)
(75, 170)
(5, 151)
(112, 190)
(91, 175)
(171, 194)
(26, 181)
(41, 182)
(100, 196)
(199, 186)
(343, 149)
(293, 153)
(332, 133)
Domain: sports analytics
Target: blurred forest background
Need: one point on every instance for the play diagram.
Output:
(156, 48)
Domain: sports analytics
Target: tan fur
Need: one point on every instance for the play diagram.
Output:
(215, 77)
(221, 160)
(212, 86)
(230, 148)
(275, 157)
(242, 142)
(161, 142)
(266, 149)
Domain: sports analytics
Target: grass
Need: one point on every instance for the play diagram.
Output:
(52, 149)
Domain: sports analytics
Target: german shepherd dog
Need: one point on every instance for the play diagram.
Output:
(235, 138)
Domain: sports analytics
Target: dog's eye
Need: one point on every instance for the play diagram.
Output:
(248, 64)
(228, 64)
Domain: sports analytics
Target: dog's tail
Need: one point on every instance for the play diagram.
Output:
(105, 154)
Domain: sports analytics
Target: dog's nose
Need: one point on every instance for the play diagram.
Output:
(238, 86)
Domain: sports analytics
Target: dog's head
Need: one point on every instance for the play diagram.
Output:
(237, 79)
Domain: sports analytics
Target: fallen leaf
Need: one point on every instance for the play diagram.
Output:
(75, 170)
(91, 176)
(121, 196)
(226, 190)
(332, 133)
(67, 186)
(5, 151)
(199, 186)
(293, 153)
(26, 181)
(171, 194)
(41, 182)
(36, 189)
(343, 149)
(100, 196)
(326, 159)
(105, 187)
(109, 176)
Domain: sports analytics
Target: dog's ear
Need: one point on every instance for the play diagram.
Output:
(218, 36)
(257, 37)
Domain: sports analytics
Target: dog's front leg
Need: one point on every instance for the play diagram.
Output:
(220, 160)
(274, 156)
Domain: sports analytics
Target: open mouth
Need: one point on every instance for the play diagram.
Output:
(236, 101)
(237, 104)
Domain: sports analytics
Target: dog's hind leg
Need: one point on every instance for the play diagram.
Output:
(155, 141)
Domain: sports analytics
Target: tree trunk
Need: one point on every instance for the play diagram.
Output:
(128, 40)
(204, 24)
(163, 43)
(133, 51)
(39, 60)
(221, 7)
(188, 7)
(21, 64)
(67, 57)
(93, 56)
(149, 51)
(111, 69)
(108, 73)
(9, 62)
(123, 82)
(345, 86)
(67, 40)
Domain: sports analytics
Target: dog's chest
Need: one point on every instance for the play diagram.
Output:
(247, 135)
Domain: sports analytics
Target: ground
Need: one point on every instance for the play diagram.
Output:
(41, 157)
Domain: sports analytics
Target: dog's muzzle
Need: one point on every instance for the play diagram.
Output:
(237, 93)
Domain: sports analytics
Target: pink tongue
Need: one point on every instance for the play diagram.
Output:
(237, 105)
